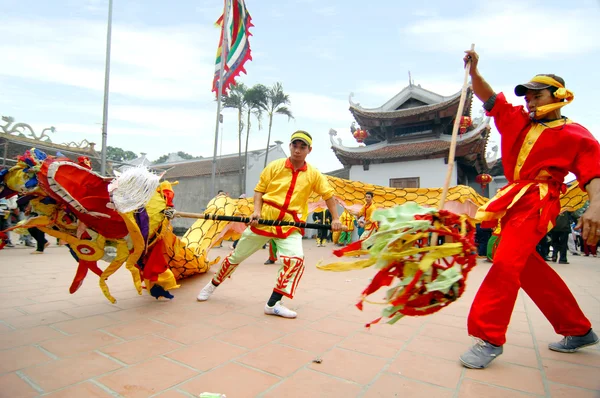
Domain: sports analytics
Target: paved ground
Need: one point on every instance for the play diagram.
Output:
(60, 345)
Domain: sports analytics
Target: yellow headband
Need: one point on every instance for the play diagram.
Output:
(302, 136)
(561, 93)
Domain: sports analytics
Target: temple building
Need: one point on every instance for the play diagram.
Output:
(16, 138)
(407, 140)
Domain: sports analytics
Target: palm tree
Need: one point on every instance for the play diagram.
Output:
(256, 98)
(235, 99)
(276, 103)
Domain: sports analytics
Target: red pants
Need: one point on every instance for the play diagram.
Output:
(272, 251)
(518, 265)
(589, 249)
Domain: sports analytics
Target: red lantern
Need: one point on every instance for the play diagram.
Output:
(484, 180)
(360, 135)
(465, 123)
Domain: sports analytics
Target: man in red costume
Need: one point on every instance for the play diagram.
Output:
(539, 148)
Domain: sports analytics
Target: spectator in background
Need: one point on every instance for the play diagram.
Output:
(560, 236)
(7, 206)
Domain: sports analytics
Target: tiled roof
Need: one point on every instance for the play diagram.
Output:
(194, 168)
(364, 113)
(18, 145)
(340, 173)
(413, 150)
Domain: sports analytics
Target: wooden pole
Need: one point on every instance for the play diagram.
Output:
(5, 154)
(451, 155)
(459, 113)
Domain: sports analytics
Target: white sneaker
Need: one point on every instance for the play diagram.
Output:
(279, 310)
(206, 292)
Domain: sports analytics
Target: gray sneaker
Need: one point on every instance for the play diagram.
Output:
(573, 343)
(480, 355)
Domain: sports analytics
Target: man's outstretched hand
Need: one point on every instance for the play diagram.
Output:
(336, 225)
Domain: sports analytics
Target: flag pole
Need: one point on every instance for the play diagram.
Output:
(106, 85)
(224, 48)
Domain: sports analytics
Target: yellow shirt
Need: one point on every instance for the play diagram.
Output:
(367, 213)
(285, 195)
(347, 220)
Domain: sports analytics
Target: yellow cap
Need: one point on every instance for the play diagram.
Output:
(302, 136)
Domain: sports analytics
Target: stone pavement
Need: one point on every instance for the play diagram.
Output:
(60, 345)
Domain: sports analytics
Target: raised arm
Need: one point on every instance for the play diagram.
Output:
(336, 225)
(258, 202)
(481, 88)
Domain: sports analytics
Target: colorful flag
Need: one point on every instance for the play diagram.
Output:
(238, 27)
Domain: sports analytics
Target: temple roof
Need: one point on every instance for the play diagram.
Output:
(195, 168)
(139, 161)
(412, 101)
(199, 167)
(16, 145)
(473, 141)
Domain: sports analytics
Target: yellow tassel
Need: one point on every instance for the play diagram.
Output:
(346, 266)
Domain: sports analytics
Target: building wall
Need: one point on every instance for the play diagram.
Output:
(256, 165)
(432, 172)
(192, 194)
(499, 182)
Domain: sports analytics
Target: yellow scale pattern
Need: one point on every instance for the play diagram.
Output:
(353, 192)
(190, 253)
(573, 199)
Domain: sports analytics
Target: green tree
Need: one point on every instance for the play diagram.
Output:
(276, 103)
(181, 154)
(119, 155)
(235, 100)
(161, 159)
(187, 156)
(256, 99)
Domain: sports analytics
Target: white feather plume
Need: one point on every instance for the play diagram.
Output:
(133, 188)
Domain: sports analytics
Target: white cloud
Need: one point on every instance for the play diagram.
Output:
(319, 107)
(180, 121)
(329, 11)
(151, 63)
(383, 91)
(96, 5)
(509, 29)
(425, 12)
(275, 13)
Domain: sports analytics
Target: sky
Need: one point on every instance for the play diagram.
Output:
(163, 54)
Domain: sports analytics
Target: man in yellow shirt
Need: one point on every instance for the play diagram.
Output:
(367, 212)
(347, 221)
(282, 193)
